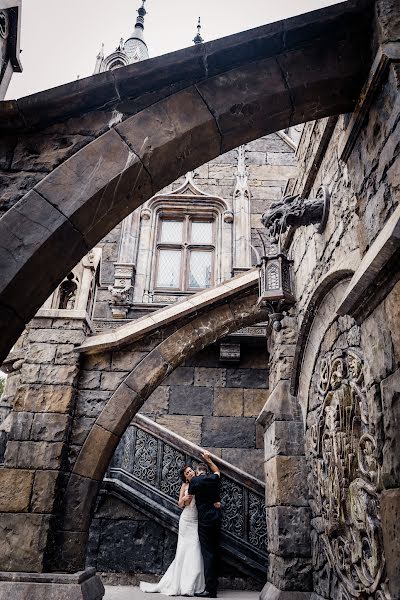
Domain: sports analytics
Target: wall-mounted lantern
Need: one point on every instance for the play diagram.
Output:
(275, 282)
(275, 286)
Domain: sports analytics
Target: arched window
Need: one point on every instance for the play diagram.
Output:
(116, 64)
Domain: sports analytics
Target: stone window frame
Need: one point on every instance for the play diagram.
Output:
(187, 216)
(187, 198)
(115, 61)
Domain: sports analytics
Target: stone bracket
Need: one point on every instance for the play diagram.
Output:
(281, 406)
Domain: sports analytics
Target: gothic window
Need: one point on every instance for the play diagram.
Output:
(185, 252)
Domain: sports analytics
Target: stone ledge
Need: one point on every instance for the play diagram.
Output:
(83, 585)
(135, 330)
(367, 280)
(270, 592)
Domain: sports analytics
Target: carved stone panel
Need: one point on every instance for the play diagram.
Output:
(345, 463)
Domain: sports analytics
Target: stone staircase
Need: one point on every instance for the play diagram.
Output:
(144, 474)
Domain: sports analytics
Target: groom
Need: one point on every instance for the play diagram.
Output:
(206, 489)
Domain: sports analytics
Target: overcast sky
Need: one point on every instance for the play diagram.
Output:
(60, 38)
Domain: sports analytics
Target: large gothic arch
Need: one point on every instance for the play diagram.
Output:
(82, 484)
(151, 122)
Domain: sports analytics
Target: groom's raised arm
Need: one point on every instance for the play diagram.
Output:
(207, 457)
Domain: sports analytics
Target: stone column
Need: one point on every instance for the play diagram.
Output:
(287, 509)
(226, 247)
(35, 462)
(241, 216)
(144, 254)
(35, 454)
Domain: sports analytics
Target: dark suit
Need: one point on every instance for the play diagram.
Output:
(206, 490)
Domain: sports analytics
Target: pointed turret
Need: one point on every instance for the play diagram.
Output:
(197, 38)
(135, 46)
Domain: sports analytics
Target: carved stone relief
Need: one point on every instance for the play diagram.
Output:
(345, 463)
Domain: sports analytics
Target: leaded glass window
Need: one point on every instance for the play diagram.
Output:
(200, 269)
(171, 231)
(202, 232)
(169, 268)
(185, 253)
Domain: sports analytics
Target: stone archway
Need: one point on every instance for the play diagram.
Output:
(96, 453)
(217, 97)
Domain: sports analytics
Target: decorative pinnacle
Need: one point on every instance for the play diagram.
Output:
(101, 53)
(141, 14)
(198, 39)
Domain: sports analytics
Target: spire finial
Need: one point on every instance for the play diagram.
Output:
(197, 38)
(101, 53)
(141, 14)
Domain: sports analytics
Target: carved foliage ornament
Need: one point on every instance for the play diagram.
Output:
(345, 478)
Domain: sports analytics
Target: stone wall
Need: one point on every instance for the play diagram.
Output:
(123, 540)
(215, 405)
(344, 372)
(208, 403)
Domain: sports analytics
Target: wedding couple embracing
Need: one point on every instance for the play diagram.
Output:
(194, 570)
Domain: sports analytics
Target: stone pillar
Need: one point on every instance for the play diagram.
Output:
(390, 496)
(35, 454)
(226, 247)
(144, 255)
(241, 217)
(287, 508)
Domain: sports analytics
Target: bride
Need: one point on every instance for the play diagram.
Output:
(185, 575)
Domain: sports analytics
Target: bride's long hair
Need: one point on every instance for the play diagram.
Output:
(182, 473)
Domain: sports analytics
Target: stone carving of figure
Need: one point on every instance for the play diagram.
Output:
(68, 290)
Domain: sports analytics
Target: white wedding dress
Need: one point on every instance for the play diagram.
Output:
(185, 575)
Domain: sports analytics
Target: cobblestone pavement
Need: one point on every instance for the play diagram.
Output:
(125, 592)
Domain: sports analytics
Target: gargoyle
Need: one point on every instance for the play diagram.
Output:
(120, 295)
(293, 211)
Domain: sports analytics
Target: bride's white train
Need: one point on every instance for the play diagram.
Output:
(185, 575)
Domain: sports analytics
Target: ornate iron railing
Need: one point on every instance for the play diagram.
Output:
(145, 471)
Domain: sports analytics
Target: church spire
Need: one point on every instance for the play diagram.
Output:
(197, 38)
(135, 46)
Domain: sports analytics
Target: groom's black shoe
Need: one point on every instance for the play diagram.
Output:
(206, 594)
